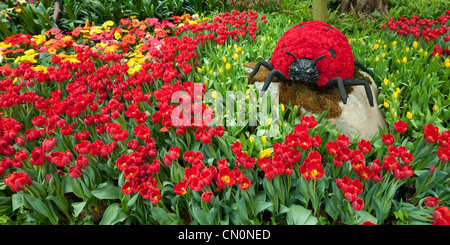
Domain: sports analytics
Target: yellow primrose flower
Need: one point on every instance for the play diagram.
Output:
(30, 52)
(409, 115)
(107, 25)
(117, 35)
(39, 39)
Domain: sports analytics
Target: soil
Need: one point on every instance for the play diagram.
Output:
(310, 97)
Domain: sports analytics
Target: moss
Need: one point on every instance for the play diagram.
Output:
(310, 97)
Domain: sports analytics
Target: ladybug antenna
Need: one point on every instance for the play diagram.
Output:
(318, 58)
(291, 54)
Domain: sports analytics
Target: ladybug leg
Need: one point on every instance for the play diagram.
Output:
(362, 67)
(340, 84)
(258, 65)
(354, 82)
(269, 78)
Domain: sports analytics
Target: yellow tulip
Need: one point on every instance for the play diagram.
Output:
(409, 115)
(395, 95)
(415, 44)
(251, 139)
(228, 66)
(265, 153)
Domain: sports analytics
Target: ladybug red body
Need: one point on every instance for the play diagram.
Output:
(310, 40)
(314, 52)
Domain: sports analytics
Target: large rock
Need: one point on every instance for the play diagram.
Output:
(356, 117)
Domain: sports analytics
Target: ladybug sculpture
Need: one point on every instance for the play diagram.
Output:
(314, 52)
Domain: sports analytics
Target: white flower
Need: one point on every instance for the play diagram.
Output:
(22, 1)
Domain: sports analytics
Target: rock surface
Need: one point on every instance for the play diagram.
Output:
(356, 117)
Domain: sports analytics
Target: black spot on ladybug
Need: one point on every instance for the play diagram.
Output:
(300, 26)
(332, 52)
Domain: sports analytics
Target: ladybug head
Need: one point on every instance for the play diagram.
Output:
(304, 70)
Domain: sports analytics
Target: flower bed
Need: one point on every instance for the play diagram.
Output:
(88, 135)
